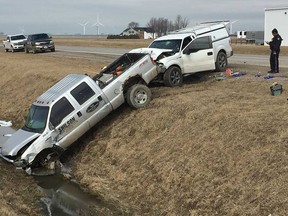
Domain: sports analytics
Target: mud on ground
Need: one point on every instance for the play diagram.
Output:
(207, 148)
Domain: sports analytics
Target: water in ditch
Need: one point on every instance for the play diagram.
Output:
(65, 197)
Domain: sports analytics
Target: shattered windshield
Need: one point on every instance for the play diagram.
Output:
(167, 44)
(36, 119)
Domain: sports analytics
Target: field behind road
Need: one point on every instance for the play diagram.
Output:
(207, 148)
(131, 44)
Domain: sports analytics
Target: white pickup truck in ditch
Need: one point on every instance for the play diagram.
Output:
(72, 106)
(202, 48)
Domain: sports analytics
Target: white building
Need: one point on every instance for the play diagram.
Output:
(276, 18)
(241, 34)
(142, 32)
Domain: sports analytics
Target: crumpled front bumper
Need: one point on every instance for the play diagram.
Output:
(161, 68)
(5, 158)
(20, 164)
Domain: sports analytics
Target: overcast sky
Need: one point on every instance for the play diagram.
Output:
(64, 16)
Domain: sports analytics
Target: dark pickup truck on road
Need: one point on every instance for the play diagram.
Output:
(39, 42)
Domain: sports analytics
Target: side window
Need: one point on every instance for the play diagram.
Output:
(201, 43)
(60, 110)
(186, 41)
(82, 93)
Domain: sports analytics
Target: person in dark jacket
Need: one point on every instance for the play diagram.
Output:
(274, 44)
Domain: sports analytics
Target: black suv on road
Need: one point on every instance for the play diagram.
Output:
(39, 42)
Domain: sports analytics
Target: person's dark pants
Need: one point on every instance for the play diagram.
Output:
(274, 62)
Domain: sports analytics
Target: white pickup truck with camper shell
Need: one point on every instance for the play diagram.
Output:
(14, 42)
(72, 106)
(201, 48)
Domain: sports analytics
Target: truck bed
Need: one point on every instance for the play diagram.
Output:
(118, 67)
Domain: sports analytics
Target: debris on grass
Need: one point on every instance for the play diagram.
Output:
(276, 89)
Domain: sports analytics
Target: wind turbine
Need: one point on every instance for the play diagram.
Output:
(84, 27)
(98, 24)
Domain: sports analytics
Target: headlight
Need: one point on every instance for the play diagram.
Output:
(51, 42)
(37, 43)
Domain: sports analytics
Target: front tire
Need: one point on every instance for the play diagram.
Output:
(138, 96)
(53, 49)
(221, 62)
(45, 158)
(173, 77)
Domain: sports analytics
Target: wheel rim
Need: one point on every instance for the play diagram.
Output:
(175, 77)
(141, 97)
(222, 61)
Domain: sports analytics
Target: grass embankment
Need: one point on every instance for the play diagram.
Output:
(23, 78)
(207, 148)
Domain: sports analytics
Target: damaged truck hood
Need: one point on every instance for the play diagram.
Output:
(16, 141)
(155, 53)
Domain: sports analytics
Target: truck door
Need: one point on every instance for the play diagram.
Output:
(62, 121)
(198, 55)
(91, 102)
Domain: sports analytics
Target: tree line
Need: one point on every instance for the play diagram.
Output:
(162, 26)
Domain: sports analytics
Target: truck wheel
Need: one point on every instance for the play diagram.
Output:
(6, 50)
(221, 62)
(44, 158)
(173, 77)
(138, 96)
(53, 49)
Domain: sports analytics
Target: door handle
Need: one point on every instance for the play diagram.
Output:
(210, 53)
(79, 114)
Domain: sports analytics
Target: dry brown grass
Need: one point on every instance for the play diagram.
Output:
(103, 43)
(207, 148)
(20, 85)
(18, 194)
